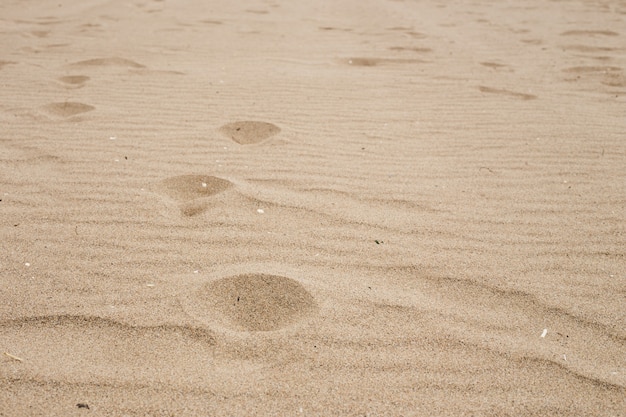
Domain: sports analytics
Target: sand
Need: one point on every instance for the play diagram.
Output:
(359, 208)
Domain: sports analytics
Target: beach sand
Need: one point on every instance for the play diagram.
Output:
(355, 208)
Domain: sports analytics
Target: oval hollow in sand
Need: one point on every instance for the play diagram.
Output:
(108, 62)
(68, 108)
(74, 79)
(189, 187)
(257, 302)
(249, 132)
(363, 62)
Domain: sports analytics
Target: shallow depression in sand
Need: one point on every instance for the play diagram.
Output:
(74, 79)
(67, 108)
(189, 187)
(373, 62)
(256, 302)
(107, 62)
(249, 132)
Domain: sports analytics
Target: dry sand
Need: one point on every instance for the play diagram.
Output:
(312, 208)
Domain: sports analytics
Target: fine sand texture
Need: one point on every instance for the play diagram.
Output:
(316, 208)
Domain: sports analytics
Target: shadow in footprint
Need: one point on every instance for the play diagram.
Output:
(255, 302)
(249, 132)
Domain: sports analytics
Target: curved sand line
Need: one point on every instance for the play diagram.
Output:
(98, 345)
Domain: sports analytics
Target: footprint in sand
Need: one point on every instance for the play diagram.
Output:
(590, 49)
(74, 81)
(253, 302)
(493, 65)
(249, 132)
(410, 49)
(107, 62)
(507, 93)
(408, 31)
(40, 33)
(3, 63)
(373, 62)
(611, 76)
(67, 109)
(589, 33)
(191, 190)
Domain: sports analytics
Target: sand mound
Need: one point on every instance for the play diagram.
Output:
(249, 132)
(257, 302)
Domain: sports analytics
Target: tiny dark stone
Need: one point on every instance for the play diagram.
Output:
(82, 405)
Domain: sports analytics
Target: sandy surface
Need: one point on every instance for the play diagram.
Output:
(312, 208)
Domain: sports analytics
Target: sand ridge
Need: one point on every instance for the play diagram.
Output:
(312, 208)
